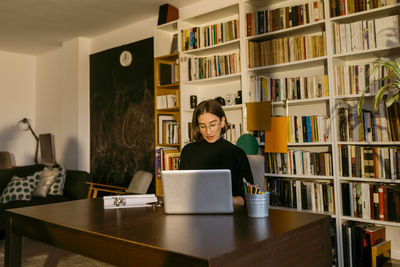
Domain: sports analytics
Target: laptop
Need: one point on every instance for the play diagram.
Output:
(197, 191)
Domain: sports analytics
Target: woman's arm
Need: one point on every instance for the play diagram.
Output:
(238, 201)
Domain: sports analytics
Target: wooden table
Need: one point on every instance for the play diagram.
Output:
(149, 237)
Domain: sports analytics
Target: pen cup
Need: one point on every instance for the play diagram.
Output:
(257, 204)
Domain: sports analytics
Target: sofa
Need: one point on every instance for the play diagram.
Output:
(75, 187)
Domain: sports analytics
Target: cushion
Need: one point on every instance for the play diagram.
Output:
(46, 180)
(20, 188)
(57, 188)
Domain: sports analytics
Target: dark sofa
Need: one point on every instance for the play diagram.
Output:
(75, 188)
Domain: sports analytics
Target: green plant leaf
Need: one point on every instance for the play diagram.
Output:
(390, 101)
(379, 95)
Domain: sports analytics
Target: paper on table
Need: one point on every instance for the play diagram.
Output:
(129, 201)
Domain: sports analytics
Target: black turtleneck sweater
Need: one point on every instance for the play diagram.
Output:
(219, 155)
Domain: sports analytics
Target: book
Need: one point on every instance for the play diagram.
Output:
(160, 119)
(381, 253)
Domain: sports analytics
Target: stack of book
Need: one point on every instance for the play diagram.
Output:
(369, 162)
(263, 88)
(197, 68)
(264, 21)
(366, 34)
(354, 79)
(209, 35)
(308, 129)
(344, 7)
(365, 244)
(371, 201)
(382, 126)
(285, 50)
(312, 195)
(299, 162)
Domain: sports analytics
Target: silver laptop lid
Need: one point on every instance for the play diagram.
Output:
(197, 191)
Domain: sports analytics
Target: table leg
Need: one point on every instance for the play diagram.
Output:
(13, 242)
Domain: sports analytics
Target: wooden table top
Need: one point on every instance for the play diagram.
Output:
(202, 236)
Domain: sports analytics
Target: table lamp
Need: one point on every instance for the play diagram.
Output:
(25, 125)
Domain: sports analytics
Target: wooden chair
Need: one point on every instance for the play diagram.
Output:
(139, 185)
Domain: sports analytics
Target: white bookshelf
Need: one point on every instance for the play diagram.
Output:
(324, 65)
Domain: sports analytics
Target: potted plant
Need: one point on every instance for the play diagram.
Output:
(392, 87)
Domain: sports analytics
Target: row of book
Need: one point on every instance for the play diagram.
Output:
(369, 162)
(286, 49)
(168, 73)
(168, 129)
(366, 34)
(269, 20)
(166, 101)
(299, 162)
(382, 126)
(304, 129)
(197, 68)
(344, 7)
(166, 159)
(354, 79)
(365, 244)
(311, 195)
(209, 35)
(264, 88)
(371, 201)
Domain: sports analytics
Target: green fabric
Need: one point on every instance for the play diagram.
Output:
(57, 189)
(248, 143)
(20, 188)
(74, 188)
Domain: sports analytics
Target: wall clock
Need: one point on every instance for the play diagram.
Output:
(125, 59)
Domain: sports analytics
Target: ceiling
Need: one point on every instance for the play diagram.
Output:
(36, 26)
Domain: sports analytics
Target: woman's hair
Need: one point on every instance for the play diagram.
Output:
(207, 106)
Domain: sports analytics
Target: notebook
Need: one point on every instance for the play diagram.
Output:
(197, 191)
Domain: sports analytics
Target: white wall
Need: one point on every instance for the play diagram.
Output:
(60, 90)
(17, 100)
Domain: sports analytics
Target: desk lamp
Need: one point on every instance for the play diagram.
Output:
(25, 125)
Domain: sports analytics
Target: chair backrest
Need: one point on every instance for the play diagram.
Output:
(140, 182)
(257, 169)
(5, 160)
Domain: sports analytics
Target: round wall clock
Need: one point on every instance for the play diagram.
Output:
(125, 58)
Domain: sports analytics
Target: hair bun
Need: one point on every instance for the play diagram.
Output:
(220, 100)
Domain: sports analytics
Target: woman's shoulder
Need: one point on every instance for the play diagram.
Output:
(232, 146)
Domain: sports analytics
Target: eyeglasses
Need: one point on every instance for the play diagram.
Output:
(213, 127)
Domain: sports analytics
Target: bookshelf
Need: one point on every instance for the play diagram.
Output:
(321, 93)
(167, 115)
(211, 63)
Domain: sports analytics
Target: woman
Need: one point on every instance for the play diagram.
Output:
(210, 151)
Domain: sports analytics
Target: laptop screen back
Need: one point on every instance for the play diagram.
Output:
(197, 191)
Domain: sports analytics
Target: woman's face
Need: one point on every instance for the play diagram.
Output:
(210, 126)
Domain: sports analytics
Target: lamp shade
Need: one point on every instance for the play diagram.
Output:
(248, 143)
(23, 124)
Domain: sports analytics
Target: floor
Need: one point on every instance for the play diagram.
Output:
(37, 254)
